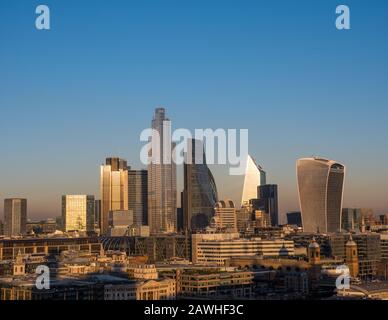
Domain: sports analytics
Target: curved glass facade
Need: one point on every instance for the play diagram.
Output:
(320, 185)
(200, 191)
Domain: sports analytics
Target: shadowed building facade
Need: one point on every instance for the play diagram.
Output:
(138, 195)
(320, 186)
(200, 191)
(15, 217)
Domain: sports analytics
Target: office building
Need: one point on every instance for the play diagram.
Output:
(383, 218)
(120, 223)
(113, 189)
(161, 177)
(97, 215)
(212, 284)
(351, 219)
(294, 218)
(225, 217)
(200, 191)
(78, 213)
(217, 248)
(320, 186)
(268, 201)
(9, 249)
(254, 176)
(138, 195)
(41, 227)
(15, 217)
(384, 246)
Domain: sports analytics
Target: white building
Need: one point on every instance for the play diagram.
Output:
(254, 176)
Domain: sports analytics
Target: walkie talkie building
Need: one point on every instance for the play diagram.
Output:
(320, 185)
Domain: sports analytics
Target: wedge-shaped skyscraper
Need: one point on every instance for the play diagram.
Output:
(320, 185)
(254, 176)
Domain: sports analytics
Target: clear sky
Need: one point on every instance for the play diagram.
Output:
(84, 90)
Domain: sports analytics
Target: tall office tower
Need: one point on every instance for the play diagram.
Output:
(351, 219)
(113, 188)
(161, 177)
(254, 176)
(268, 201)
(200, 191)
(320, 186)
(78, 213)
(1, 228)
(15, 217)
(225, 216)
(138, 195)
(97, 214)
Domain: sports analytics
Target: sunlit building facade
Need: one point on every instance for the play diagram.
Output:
(113, 189)
(200, 191)
(254, 176)
(78, 212)
(225, 216)
(320, 185)
(162, 192)
(15, 217)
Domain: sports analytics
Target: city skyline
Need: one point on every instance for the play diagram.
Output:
(180, 175)
(283, 81)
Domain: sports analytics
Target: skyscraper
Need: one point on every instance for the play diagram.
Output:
(97, 214)
(320, 185)
(200, 191)
(268, 201)
(254, 176)
(113, 188)
(138, 195)
(78, 212)
(15, 217)
(161, 177)
(351, 219)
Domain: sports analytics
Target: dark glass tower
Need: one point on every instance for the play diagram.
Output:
(200, 191)
(138, 196)
(268, 199)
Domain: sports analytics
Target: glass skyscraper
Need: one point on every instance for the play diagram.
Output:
(320, 185)
(268, 201)
(254, 176)
(113, 189)
(138, 195)
(15, 217)
(78, 212)
(200, 191)
(162, 192)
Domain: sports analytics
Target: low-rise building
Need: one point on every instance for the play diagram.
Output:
(216, 248)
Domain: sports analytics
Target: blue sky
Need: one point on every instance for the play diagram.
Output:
(84, 90)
